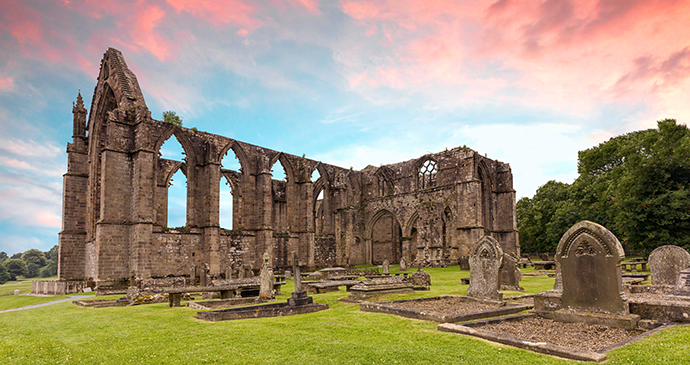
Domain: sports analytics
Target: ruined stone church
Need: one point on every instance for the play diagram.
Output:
(431, 210)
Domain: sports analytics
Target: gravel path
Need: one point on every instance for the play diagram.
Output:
(48, 303)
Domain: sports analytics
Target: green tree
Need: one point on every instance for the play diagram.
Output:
(49, 270)
(172, 118)
(34, 256)
(17, 255)
(15, 267)
(637, 185)
(4, 277)
(52, 254)
(3, 256)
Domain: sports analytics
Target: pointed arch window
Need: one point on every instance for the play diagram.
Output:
(427, 174)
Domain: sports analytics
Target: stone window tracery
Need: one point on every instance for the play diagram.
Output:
(427, 174)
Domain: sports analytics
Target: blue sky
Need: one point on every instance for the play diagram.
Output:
(351, 83)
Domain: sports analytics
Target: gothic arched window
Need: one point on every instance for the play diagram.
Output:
(427, 174)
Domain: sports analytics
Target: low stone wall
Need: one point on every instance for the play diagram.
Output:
(57, 287)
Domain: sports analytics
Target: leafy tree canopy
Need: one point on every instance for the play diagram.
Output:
(34, 256)
(15, 267)
(635, 184)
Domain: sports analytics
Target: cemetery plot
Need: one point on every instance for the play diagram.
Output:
(444, 308)
(577, 341)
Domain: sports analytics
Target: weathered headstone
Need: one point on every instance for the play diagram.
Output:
(192, 275)
(228, 273)
(299, 296)
(485, 266)
(204, 275)
(683, 284)
(666, 263)
(420, 279)
(510, 274)
(464, 263)
(403, 264)
(386, 267)
(544, 257)
(590, 257)
(248, 270)
(288, 274)
(266, 279)
(16, 291)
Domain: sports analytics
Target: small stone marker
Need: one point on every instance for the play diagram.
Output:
(590, 257)
(266, 279)
(464, 263)
(16, 292)
(683, 284)
(666, 263)
(204, 275)
(299, 296)
(228, 273)
(288, 274)
(403, 264)
(485, 265)
(420, 279)
(544, 257)
(386, 268)
(87, 290)
(510, 274)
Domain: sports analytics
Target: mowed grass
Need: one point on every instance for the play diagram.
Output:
(156, 334)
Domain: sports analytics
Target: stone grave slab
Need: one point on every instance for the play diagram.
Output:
(444, 308)
(378, 286)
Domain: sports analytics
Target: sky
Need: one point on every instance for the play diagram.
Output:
(350, 83)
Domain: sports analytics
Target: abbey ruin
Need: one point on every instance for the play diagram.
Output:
(431, 210)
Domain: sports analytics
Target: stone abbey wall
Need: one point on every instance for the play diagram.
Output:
(430, 210)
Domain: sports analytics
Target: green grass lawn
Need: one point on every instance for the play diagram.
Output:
(156, 334)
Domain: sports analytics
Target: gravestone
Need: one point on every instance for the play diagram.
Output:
(266, 279)
(510, 274)
(544, 257)
(485, 266)
(590, 257)
(683, 284)
(228, 273)
(192, 275)
(288, 274)
(204, 275)
(299, 296)
(464, 263)
(666, 263)
(386, 267)
(16, 291)
(403, 264)
(420, 279)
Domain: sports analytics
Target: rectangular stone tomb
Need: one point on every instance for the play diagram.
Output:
(223, 303)
(576, 341)
(260, 311)
(101, 303)
(379, 286)
(444, 308)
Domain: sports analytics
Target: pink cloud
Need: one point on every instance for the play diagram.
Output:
(555, 50)
(47, 219)
(17, 164)
(220, 12)
(144, 34)
(6, 83)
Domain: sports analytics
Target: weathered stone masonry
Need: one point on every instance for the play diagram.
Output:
(430, 210)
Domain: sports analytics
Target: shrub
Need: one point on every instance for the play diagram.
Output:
(15, 267)
(3, 275)
(172, 118)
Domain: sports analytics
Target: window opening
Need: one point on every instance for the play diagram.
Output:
(225, 204)
(427, 174)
